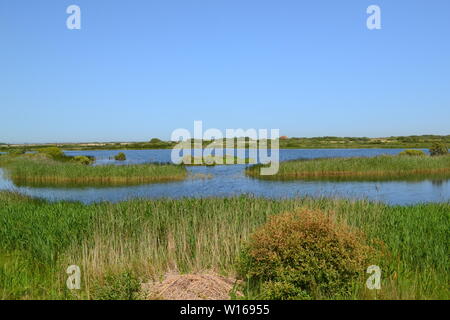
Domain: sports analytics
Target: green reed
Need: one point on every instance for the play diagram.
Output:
(40, 239)
(35, 171)
(378, 168)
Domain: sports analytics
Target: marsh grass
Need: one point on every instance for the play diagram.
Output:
(41, 239)
(375, 168)
(42, 171)
(215, 160)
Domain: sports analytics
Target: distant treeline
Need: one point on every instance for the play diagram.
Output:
(423, 141)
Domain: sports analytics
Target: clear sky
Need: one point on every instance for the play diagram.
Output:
(140, 69)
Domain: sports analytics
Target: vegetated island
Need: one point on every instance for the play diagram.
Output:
(51, 167)
(384, 167)
(215, 160)
(423, 141)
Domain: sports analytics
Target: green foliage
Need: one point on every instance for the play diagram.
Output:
(412, 152)
(122, 286)
(39, 239)
(53, 152)
(439, 149)
(423, 141)
(82, 160)
(365, 168)
(305, 255)
(283, 290)
(155, 141)
(38, 169)
(16, 152)
(214, 160)
(363, 142)
(120, 157)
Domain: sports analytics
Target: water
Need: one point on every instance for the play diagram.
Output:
(230, 181)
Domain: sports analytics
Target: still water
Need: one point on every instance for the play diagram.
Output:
(224, 181)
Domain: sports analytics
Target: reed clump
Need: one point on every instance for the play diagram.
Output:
(83, 160)
(120, 157)
(413, 153)
(381, 167)
(439, 149)
(36, 170)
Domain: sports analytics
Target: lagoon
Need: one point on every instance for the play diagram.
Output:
(230, 180)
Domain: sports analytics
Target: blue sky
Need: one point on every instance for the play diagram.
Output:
(140, 69)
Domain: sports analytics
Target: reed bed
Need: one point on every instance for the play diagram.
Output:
(40, 239)
(215, 160)
(374, 168)
(30, 171)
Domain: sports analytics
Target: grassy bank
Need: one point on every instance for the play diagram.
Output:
(41, 239)
(423, 141)
(42, 171)
(376, 168)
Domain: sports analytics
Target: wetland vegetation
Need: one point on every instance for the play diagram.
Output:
(298, 248)
(146, 239)
(215, 160)
(413, 142)
(40, 169)
(372, 168)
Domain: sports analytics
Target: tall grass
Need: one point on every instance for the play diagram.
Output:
(381, 167)
(37, 171)
(40, 239)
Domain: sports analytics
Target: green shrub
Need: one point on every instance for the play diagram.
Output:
(82, 160)
(16, 152)
(53, 152)
(283, 290)
(120, 156)
(122, 286)
(438, 149)
(412, 152)
(304, 255)
(155, 141)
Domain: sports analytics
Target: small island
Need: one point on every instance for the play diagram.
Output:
(408, 165)
(50, 167)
